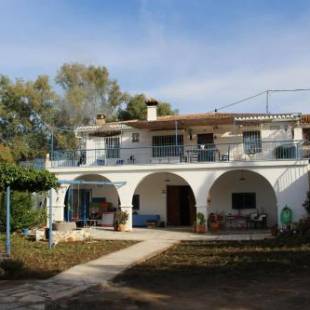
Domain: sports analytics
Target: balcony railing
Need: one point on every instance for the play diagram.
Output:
(175, 154)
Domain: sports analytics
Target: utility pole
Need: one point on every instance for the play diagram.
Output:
(52, 144)
(8, 218)
(267, 101)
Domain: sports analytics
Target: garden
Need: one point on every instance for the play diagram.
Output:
(210, 275)
(26, 258)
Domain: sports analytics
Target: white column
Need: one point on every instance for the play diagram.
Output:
(128, 209)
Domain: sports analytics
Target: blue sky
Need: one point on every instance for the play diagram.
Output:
(197, 55)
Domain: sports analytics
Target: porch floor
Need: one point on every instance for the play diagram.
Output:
(178, 233)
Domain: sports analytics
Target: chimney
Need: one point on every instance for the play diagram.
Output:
(151, 109)
(100, 119)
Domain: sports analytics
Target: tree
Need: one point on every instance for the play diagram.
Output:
(23, 182)
(136, 109)
(23, 108)
(88, 90)
(29, 112)
(23, 213)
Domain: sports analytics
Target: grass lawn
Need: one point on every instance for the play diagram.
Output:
(266, 274)
(33, 260)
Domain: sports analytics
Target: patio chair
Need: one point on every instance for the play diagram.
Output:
(252, 222)
(262, 220)
(259, 220)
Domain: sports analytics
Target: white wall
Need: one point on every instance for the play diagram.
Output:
(220, 198)
(152, 191)
(288, 178)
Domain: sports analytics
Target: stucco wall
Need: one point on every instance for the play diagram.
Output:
(152, 191)
(288, 178)
(220, 198)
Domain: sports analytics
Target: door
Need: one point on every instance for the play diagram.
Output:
(173, 206)
(205, 139)
(180, 206)
(206, 150)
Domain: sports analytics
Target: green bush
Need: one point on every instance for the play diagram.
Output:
(306, 204)
(12, 267)
(23, 214)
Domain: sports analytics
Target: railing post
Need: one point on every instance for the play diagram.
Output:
(8, 219)
(50, 223)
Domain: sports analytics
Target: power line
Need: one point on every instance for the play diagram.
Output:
(239, 101)
(266, 92)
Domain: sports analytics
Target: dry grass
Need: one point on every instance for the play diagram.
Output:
(255, 275)
(34, 260)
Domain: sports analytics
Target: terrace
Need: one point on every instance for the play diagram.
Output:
(117, 155)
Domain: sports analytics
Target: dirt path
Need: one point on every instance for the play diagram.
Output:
(269, 293)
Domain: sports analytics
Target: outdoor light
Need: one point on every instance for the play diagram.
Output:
(242, 178)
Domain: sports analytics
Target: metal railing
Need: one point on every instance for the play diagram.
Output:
(173, 154)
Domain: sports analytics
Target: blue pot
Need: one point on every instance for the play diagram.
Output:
(25, 232)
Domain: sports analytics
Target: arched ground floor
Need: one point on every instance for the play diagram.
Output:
(236, 195)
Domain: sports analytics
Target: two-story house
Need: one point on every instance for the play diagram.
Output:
(171, 167)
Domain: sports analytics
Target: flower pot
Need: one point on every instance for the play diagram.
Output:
(200, 229)
(120, 227)
(215, 226)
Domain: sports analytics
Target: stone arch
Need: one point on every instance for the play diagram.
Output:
(240, 181)
(160, 193)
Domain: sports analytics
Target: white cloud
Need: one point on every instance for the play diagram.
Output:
(195, 73)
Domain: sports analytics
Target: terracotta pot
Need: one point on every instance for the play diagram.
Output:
(200, 229)
(215, 226)
(120, 227)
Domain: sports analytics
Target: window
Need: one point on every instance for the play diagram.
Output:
(166, 146)
(252, 142)
(112, 147)
(136, 202)
(243, 201)
(135, 137)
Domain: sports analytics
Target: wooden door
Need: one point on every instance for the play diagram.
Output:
(180, 205)
(173, 206)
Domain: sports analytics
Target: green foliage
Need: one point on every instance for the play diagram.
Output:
(120, 218)
(24, 107)
(23, 214)
(26, 179)
(6, 154)
(88, 90)
(31, 110)
(136, 109)
(12, 267)
(306, 204)
(200, 219)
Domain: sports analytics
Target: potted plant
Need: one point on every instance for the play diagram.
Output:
(120, 220)
(214, 222)
(200, 223)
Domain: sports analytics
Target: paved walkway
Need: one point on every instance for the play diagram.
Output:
(182, 233)
(35, 294)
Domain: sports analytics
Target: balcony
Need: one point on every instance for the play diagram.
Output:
(181, 154)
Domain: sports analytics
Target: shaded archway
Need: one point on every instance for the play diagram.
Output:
(243, 192)
(165, 195)
(91, 203)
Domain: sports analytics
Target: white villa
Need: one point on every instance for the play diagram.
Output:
(169, 168)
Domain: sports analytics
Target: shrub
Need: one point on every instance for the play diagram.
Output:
(306, 204)
(23, 213)
(12, 267)
(200, 219)
(121, 218)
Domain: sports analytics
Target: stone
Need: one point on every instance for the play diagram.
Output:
(32, 299)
